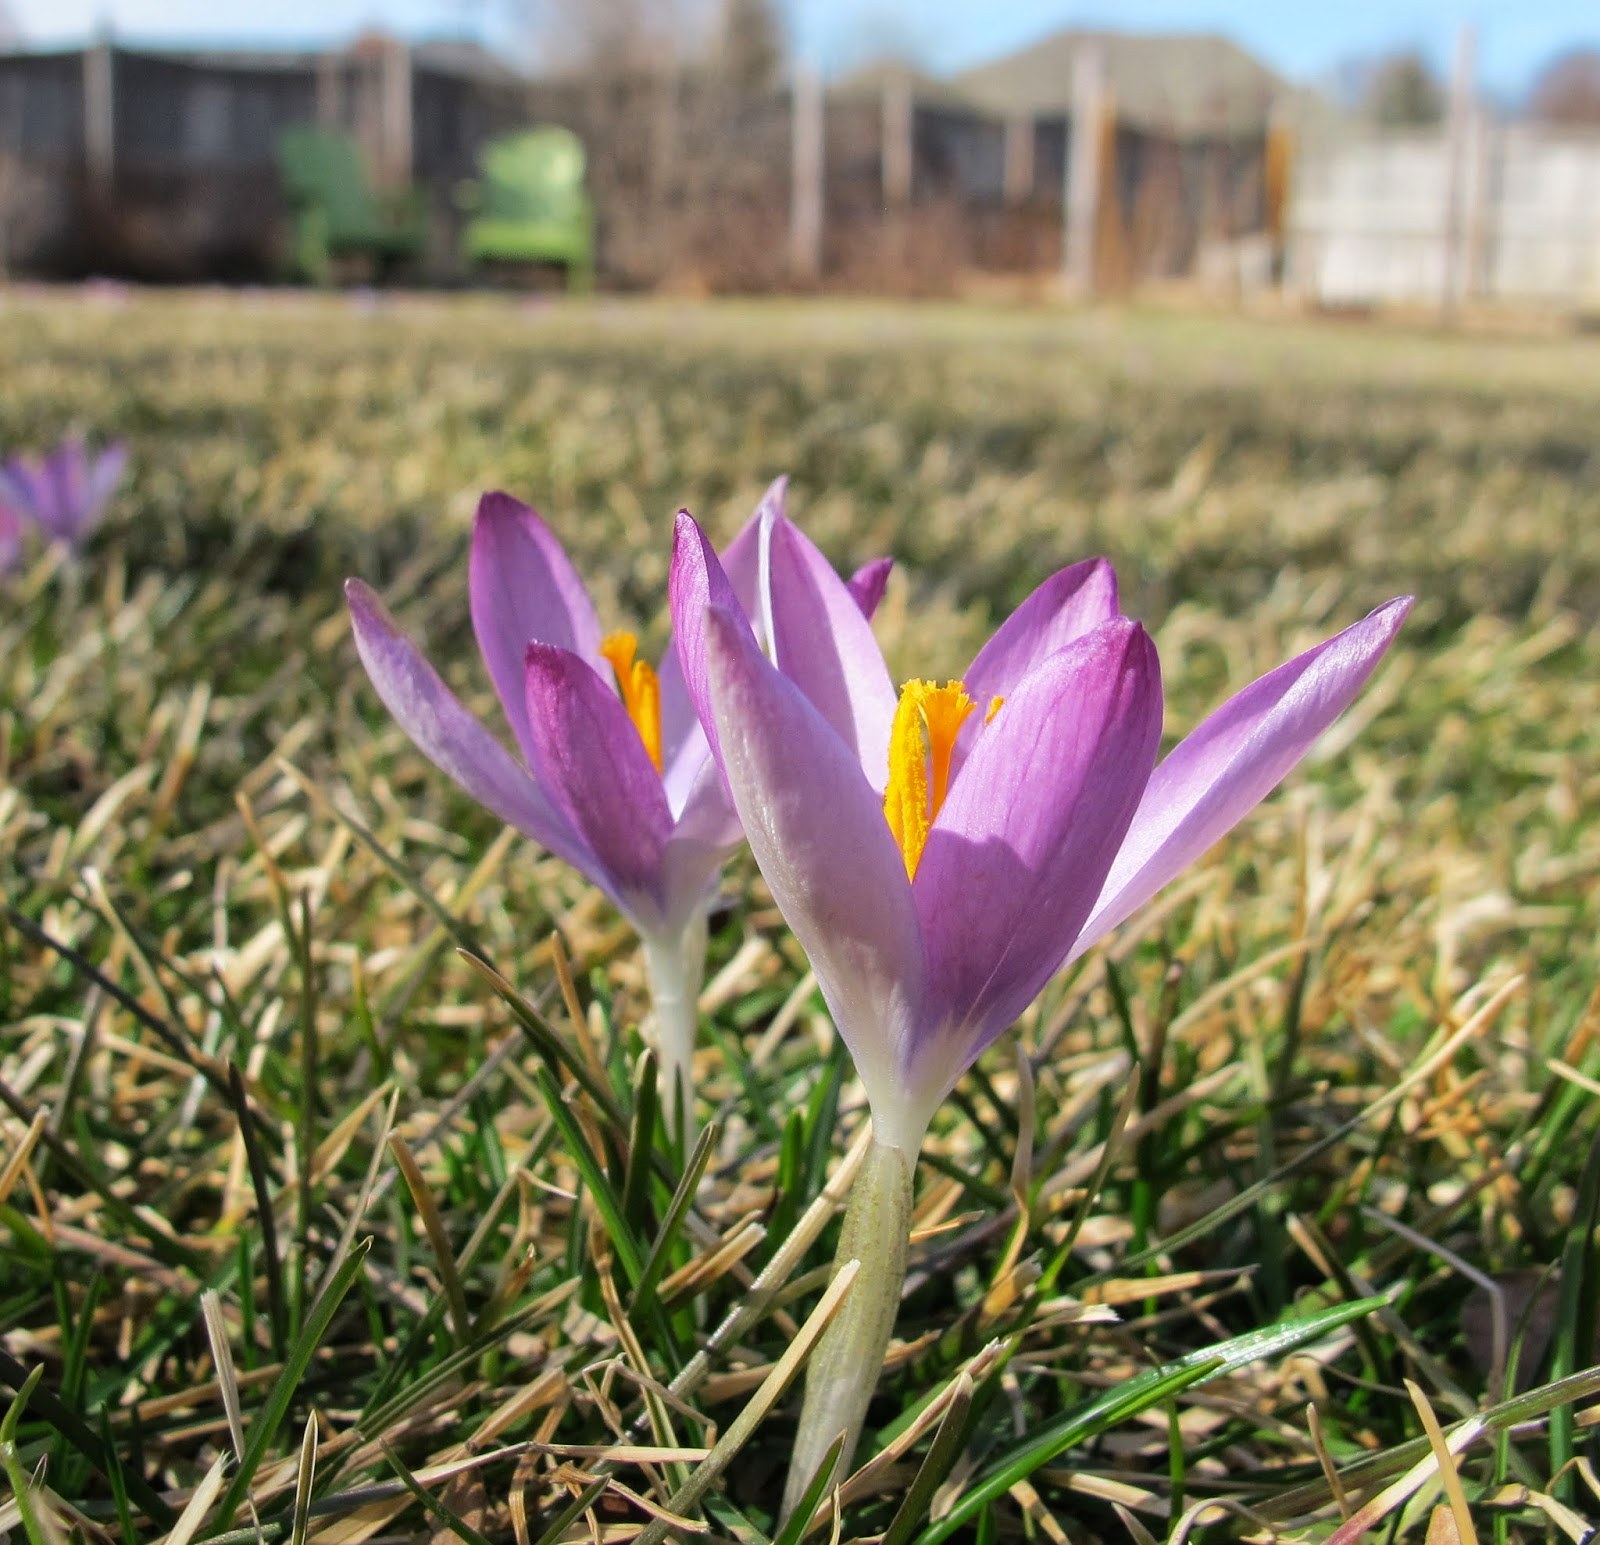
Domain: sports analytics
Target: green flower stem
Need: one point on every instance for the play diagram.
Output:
(844, 1368)
(676, 966)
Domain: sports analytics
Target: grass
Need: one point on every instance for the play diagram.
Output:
(326, 1213)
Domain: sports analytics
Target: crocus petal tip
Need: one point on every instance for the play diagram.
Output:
(363, 601)
(869, 582)
(496, 504)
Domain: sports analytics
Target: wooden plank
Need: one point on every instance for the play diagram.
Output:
(99, 116)
(805, 208)
(898, 121)
(1019, 158)
(395, 112)
(1458, 141)
(1084, 166)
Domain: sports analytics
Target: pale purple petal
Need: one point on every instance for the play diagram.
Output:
(758, 601)
(682, 740)
(867, 584)
(1070, 603)
(66, 469)
(697, 581)
(1232, 761)
(817, 830)
(590, 761)
(704, 835)
(741, 558)
(524, 590)
(681, 769)
(25, 488)
(1032, 823)
(104, 475)
(823, 644)
(455, 742)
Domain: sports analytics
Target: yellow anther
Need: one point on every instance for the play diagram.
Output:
(905, 800)
(922, 741)
(995, 705)
(641, 691)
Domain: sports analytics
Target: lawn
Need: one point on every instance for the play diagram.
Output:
(333, 1203)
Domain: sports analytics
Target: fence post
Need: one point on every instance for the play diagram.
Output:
(664, 140)
(1455, 237)
(394, 111)
(330, 67)
(1019, 158)
(99, 116)
(1082, 193)
(898, 110)
(1277, 176)
(805, 193)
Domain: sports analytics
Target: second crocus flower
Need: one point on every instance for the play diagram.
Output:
(65, 492)
(614, 775)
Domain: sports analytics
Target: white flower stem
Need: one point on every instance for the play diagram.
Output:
(676, 966)
(844, 1368)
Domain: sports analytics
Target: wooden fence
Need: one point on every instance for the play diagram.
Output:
(160, 165)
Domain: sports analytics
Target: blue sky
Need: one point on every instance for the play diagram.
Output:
(1300, 37)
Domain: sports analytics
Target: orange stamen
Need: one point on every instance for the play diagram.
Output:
(641, 691)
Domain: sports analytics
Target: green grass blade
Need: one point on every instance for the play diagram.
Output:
(1138, 1394)
(264, 1428)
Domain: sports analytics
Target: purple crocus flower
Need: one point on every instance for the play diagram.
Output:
(941, 852)
(64, 493)
(615, 775)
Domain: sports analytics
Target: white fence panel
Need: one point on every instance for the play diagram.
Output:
(1371, 218)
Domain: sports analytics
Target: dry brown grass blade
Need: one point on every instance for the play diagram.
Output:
(227, 1376)
(1465, 1534)
(1325, 1459)
(192, 1519)
(754, 1413)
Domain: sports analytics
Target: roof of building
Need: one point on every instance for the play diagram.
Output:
(1184, 84)
(873, 79)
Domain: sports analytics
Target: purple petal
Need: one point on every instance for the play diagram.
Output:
(823, 644)
(818, 832)
(524, 590)
(66, 469)
(741, 558)
(104, 475)
(25, 488)
(1017, 855)
(455, 742)
(757, 599)
(1232, 761)
(697, 581)
(704, 835)
(683, 741)
(1071, 603)
(867, 584)
(589, 759)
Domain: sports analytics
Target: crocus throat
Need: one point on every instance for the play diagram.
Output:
(641, 691)
(921, 743)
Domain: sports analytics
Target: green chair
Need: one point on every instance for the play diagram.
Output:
(337, 213)
(529, 205)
